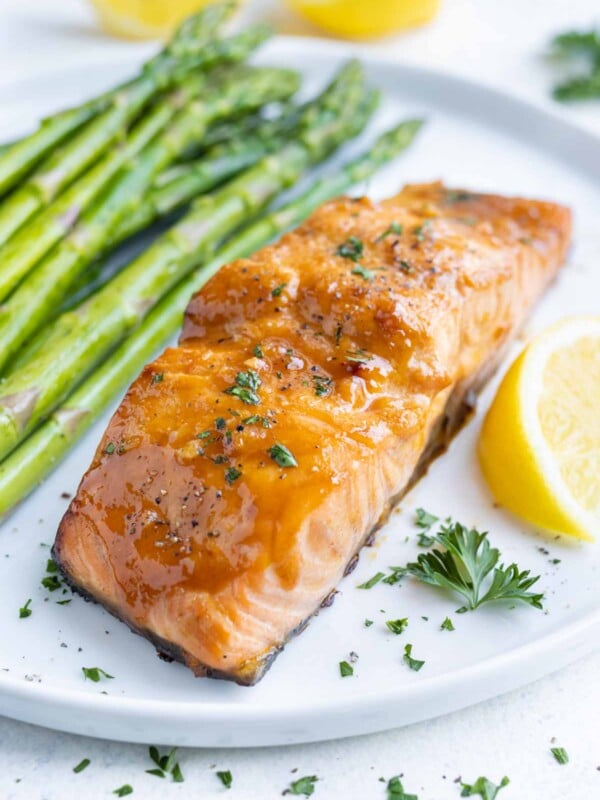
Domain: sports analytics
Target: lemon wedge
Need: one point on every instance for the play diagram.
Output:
(540, 442)
(145, 19)
(357, 18)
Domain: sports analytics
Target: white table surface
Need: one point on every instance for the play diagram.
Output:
(497, 41)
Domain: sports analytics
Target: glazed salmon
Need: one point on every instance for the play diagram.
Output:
(312, 384)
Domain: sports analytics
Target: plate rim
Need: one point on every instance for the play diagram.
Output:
(573, 640)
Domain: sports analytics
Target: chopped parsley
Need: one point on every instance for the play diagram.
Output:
(124, 790)
(372, 581)
(220, 423)
(165, 765)
(423, 540)
(560, 754)
(52, 581)
(158, 377)
(278, 290)
(226, 778)
(83, 764)
(484, 788)
(352, 248)
(397, 626)
(447, 625)
(232, 474)
(322, 385)
(368, 623)
(424, 520)
(346, 669)
(413, 663)
(109, 449)
(257, 351)
(394, 227)
(421, 230)
(366, 274)
(395, 790)
(395, 576)
(358, 356)
(246, 385)
(95, 674)
(465, 562)
(203, 435)
(304, 786)
(282, 456)
(264, 421)
(25, 611)
(405, 266)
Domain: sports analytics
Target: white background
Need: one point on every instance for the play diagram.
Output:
(497, 41)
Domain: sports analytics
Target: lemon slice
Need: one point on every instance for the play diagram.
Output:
(145, 19)
(361, 18)
(540, 442)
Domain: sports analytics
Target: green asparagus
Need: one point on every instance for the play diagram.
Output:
(32, 302)
(83, 149)
(23, 470)
(17, 159)
(81, 338)
(28, 245)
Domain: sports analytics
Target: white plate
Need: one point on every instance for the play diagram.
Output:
(475, 138)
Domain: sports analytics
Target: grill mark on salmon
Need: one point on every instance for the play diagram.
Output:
(368, 365)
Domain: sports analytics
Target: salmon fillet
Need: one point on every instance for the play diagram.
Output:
(312, 384)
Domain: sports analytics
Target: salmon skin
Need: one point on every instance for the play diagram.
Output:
(312, 384)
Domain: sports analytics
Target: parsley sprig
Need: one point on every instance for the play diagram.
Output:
(579, 47)
(465, 565)
(395, 790)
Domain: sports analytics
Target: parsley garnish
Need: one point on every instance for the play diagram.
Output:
(95, 673)
(395, 790)
(397, 626)
(158, 377)
(25, 611)
(484, 788)
(226, 778)
(246, 384)
(560, 754)
(447, 625)
(109, 449)
(424, 520)
(413, 663)
(423, 540)
(405, 267)
(203, 435)
(278, 289)
(52, 582)
(232, 474)
(421, 230)
(257, 351)
(358, 356)
(580, 47)
(352, 248)
(82, 765)
(372, 581)
(464, 565)
(322, 385)
(346, 669)
(220, 423)
(305, 786)
(124, 790)
(395, 227)
(367, 274)
(282, 456)
(165, 765)
(368, 623)
(264, 421)
(395, 575)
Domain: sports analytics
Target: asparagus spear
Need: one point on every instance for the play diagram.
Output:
(23, 470)
(28, 245)
(188, 41)
(83, 149)
(79, 339)
(32, 302)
